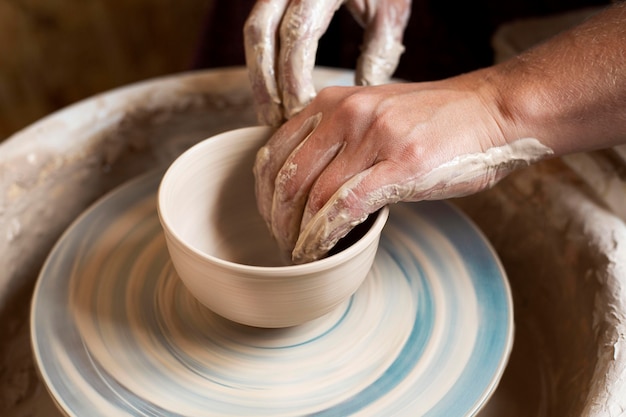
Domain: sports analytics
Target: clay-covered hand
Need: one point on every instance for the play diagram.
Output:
(355, 149)
(281, 38)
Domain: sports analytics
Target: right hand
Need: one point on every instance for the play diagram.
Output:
(356, 149)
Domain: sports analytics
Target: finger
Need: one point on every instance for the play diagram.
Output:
(271, 157)
(260, 41)
(351, 160)
(382, 46)
(304, 23)
(349, 206)
(295, 179)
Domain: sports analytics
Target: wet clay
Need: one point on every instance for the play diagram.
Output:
(280, 36)
(486, 168)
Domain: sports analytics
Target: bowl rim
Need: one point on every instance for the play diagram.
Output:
(350, 252)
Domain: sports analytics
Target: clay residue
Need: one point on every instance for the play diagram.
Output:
(462, 175)
(565, 255)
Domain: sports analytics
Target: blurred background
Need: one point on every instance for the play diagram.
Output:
(56, 52)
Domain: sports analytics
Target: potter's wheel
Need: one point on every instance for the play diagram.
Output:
(115, 332)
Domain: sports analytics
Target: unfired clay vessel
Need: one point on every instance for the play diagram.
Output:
(563, 247)
(223, 251)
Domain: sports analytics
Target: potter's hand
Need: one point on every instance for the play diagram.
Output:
(281, 39)
(356, 149)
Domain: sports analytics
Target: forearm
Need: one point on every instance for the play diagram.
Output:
(569, 92)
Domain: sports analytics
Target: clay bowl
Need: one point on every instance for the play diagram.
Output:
(223, 252)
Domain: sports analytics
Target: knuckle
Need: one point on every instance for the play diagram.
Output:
(355, 106)
(374, 111)
(253, 29)
(411, 154)
(383, 121)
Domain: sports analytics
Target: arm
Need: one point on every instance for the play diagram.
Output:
(570, 92)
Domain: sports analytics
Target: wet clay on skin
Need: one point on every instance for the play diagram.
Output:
(449, 180)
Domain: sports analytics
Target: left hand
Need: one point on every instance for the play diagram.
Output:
(281, 38)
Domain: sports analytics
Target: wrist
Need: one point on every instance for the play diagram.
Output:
(569, 92)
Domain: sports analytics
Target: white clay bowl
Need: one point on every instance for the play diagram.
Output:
(223, 252)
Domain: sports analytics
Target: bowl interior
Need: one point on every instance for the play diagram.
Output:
(208, 202)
